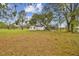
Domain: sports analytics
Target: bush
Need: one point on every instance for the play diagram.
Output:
(2, 25)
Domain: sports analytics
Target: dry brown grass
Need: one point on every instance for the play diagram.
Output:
(36, 43)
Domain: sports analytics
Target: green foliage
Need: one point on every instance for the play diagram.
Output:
(17, 22)
(22, 15)
(3, 5)
(49, 16)
(2, 25)
(35, 18)
(43, 19)
(32, 22)
(21, 18)
(75, 22)
(14, 13)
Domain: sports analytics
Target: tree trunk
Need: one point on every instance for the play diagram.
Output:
(72, 24)
(8, 27)
(60, 28)
(68, 23)
(22, 27)
(72, 28)
(68, 27)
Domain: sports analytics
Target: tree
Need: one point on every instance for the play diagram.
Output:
(54, 8)
(34, 19)
(7, 14)
(60, 20)
(21, 18)
(70, 13)
(2, 7)
(42, 19)
(47, 18)
(69, 10)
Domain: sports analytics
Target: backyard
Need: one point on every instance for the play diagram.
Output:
(38, 43)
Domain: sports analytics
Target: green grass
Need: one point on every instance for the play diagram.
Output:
(44, 43)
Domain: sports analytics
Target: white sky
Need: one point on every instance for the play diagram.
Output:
(34, 9)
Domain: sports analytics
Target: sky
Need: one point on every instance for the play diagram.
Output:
(30, 9)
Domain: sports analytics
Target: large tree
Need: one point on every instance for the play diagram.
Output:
(7, 13)
(21, 18)
(42, 19)
(69, 11)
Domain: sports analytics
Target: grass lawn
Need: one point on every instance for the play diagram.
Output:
(35, 43)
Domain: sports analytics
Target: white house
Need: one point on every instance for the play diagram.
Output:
(77, 29)
(37, 27)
